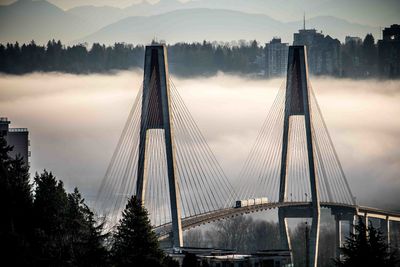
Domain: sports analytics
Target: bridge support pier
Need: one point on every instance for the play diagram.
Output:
(156, 115)
(338, 232)
(366, 223)
(314, 240)
(284, 232)
(297, 103)
(352, 225)
(385, 219)
(342, 215)
(385, 229)
(303, 212)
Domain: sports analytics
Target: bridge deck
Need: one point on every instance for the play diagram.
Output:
(194, 221)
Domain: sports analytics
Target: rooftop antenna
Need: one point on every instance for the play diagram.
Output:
(304, 20)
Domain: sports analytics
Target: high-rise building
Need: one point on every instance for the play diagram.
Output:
(276, 54)
(323, 52)
(353, 40)
(389, 52)
(18, 138)
(351, 57)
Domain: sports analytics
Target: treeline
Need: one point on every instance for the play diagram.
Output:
(43, 225)
(184, 59)
(356, 58)
(16, 59)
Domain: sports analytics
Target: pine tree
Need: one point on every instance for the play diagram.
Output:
(135, 244)
(366, 248)
(66, 231)
(22, 199)
(54, 229)
(85, 237)
(15, 190)
(16, 206)
(5, 190)
(50, 212)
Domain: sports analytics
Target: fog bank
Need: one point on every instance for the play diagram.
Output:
(75, 121)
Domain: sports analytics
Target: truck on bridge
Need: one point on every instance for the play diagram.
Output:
(251, 202)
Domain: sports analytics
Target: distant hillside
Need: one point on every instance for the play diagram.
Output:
(369, 12)
(220, 25)
(25, 20)
(190, 25)
(99, 16)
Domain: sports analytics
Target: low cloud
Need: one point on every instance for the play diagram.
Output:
(75, 122)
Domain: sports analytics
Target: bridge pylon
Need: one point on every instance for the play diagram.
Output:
(156, 114)
(297, 103)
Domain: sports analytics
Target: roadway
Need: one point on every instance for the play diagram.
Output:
(163, 231)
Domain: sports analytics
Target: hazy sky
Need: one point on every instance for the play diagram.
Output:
(369, 12)
(75, 122)
(195, 20)
(65, 4)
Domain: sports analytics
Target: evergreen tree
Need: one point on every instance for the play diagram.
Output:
(54, 229)
(50, 213)
(66, 231)
(16, 206)
(5, 190)
(135, 244)
(22, 199)
(366, 248)
(85, 238)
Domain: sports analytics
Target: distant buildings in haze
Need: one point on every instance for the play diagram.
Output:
(18, 138)
(323, 52)
(356, 58)
(389, 52)
(353, 40)
(276, 54)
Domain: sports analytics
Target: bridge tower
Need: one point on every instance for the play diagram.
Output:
(156, 115)
(297, 103)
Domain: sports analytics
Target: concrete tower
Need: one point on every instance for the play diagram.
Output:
(297, 103)
(156, 115)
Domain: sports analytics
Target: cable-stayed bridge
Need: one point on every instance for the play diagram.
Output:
(163, 158)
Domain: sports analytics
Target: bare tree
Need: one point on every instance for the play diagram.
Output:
(244, 234)
(231, 233)
(264, 235)
(194, 238)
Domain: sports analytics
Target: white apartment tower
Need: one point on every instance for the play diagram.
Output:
(276, 54)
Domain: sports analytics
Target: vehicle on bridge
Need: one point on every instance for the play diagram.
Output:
(251, 202)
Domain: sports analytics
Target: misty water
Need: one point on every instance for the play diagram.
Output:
(75, 122)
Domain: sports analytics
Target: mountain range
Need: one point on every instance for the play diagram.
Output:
(26, 20)
(370, 12)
